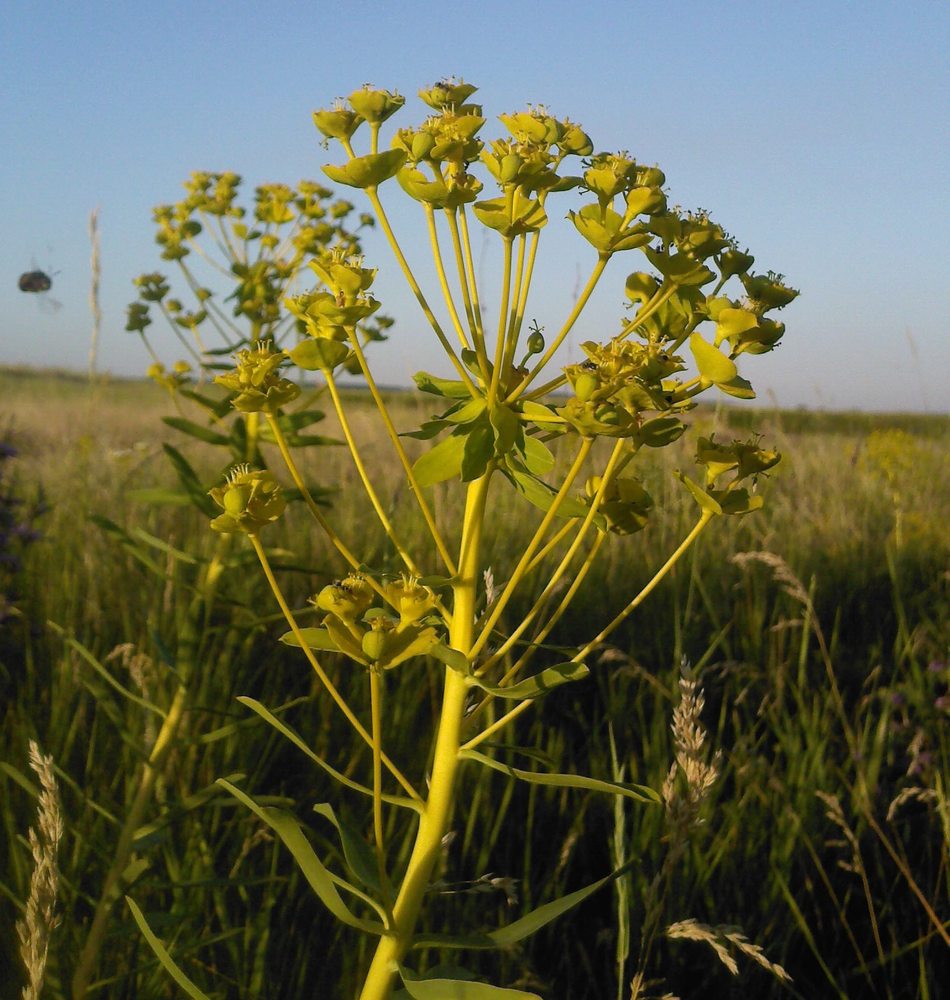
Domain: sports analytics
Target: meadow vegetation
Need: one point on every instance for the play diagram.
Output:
(818, 629)
(451, 693)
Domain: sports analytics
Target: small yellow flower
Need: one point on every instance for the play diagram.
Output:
(250, 499)
(256, 381)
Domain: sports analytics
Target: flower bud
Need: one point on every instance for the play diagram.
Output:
(535, 342)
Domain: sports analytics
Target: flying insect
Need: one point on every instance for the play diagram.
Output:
(35, 281)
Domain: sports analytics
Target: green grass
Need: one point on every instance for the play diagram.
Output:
(844, 603)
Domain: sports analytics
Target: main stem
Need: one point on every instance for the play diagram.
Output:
(437, 812)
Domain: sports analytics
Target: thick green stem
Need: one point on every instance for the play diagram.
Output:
(436, 815)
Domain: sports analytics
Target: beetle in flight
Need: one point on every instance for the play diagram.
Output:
(35, 281)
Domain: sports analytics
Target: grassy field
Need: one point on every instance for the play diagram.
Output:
(818, 629)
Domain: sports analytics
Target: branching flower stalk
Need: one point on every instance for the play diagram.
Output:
(260, 253)
(495, 428)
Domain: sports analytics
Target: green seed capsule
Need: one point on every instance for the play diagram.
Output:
(585, 386)
(236, 498)
(377, 642)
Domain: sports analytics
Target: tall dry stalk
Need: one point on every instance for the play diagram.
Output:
(40, 918)
(94, 290)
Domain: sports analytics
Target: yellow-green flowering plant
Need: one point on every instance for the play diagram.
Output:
(567, 440)
(235, 266)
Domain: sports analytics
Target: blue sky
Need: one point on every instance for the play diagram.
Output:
(815, 132)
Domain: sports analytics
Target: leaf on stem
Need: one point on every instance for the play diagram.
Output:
(288, 733)
(641, 793)
(538, 493)
(707, 502)
(442, 462)
(440, 386)
(161, 953)
(321, 880)
(531, 922)
(196, 430)
(315, 638)
(714, 367)
(358, 855)
(457, 989)
(538, 685)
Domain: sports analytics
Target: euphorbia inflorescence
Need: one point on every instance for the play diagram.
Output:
(695, 309)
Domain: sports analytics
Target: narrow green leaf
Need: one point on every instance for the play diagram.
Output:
(217, 407)
(163, 546)
(312, 441)
(20, 778)
(442, 462)
(291, 422)
(531, 922)
(162, 955)
(189, 479)
(196, 430)
(639, 792)
(540, 414)
(172, 811)
(160, 495)
(286, 731)
(453, 658)
(458, 989)
(321, 880)
(128, 543)
(315, 638)
(103, 672)
(532, 753)
(359, 856)
(540, 684)
(440, 386)
(542, 496)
